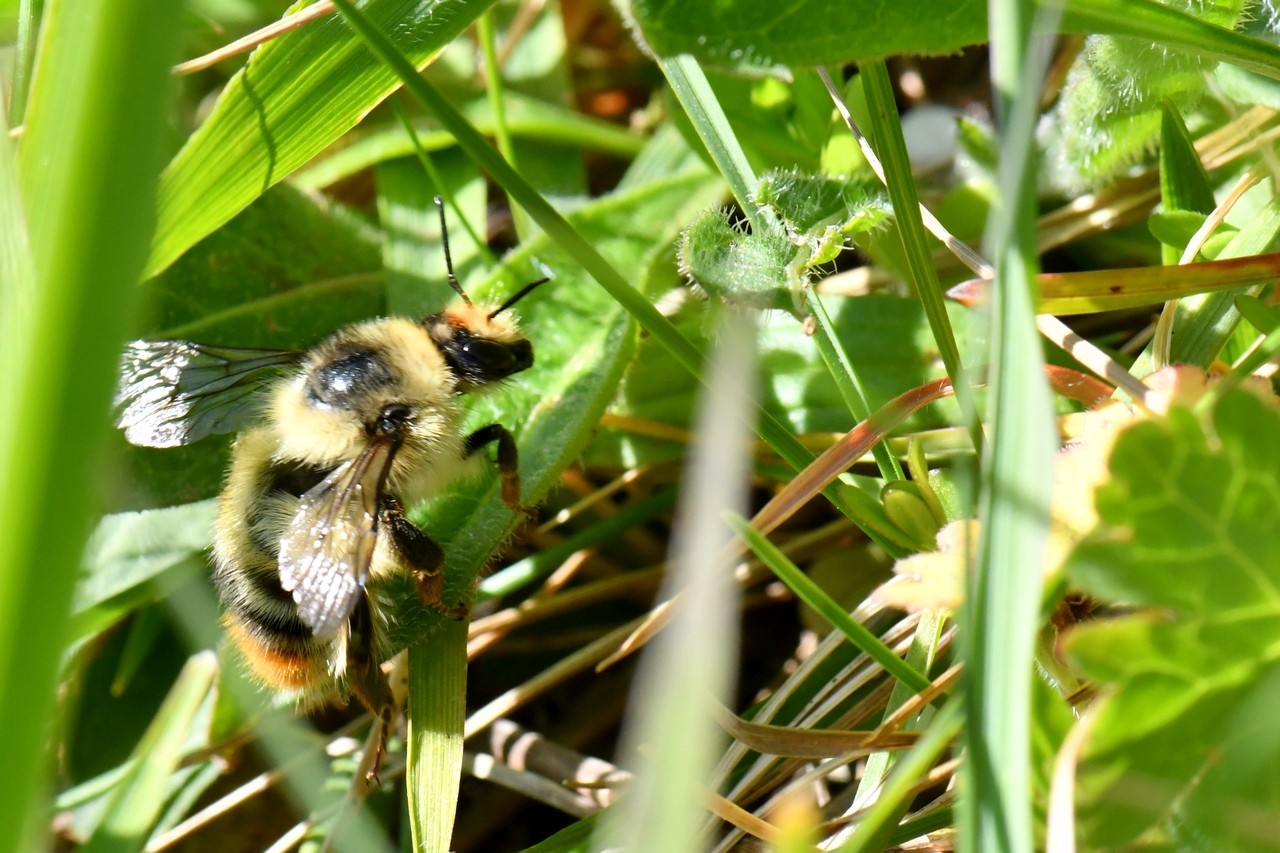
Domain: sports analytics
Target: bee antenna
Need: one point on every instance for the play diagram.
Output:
(448, 258)
(518, 295)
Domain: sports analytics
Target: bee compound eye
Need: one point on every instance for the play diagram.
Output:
(392, 418)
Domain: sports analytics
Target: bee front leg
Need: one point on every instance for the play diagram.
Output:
(423, 557)
(508, 460)
(370, 686)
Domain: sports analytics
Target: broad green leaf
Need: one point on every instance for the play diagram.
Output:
(763, 36)
(132, 548)
(1191, 537)
(294, 97)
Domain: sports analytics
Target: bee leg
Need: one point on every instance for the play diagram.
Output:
(369, 685)
(508, 460)
(422, 555)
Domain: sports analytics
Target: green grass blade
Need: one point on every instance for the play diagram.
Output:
(691, 88)
(437, 710)
(295, 96)
(811, 594)
(891, 146)
(87, 168)
(137, 802)
(1002, 604)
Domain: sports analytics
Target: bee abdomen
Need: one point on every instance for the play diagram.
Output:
(286, 657)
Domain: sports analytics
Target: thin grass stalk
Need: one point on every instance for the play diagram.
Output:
(886, 134)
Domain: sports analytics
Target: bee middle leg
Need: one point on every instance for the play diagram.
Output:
(369, 685)
(508, 459)
(423, 557)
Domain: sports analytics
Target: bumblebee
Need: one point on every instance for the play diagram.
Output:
(348, 434)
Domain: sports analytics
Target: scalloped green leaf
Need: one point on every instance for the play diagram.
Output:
(1191, 537)
(294, 97)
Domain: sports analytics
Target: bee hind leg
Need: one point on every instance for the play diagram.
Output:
(508, 460)
(370, 687)
(423, 557)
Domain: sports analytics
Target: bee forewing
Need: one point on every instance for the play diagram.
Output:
(175, 392)
(326, 552)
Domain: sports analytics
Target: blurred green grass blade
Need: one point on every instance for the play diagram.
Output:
(24, 58)
(811, 594)
(296, 95)
(1152, 21)
(141, 795)
(87, 168)
(437, 710)
(527, 118)
(688, 670)
(557, 227)
(1002, 601)
(890, 144)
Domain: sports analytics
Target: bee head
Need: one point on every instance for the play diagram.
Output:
(479, 345)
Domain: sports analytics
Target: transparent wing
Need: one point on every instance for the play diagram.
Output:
(326, 552)
(176, 392)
